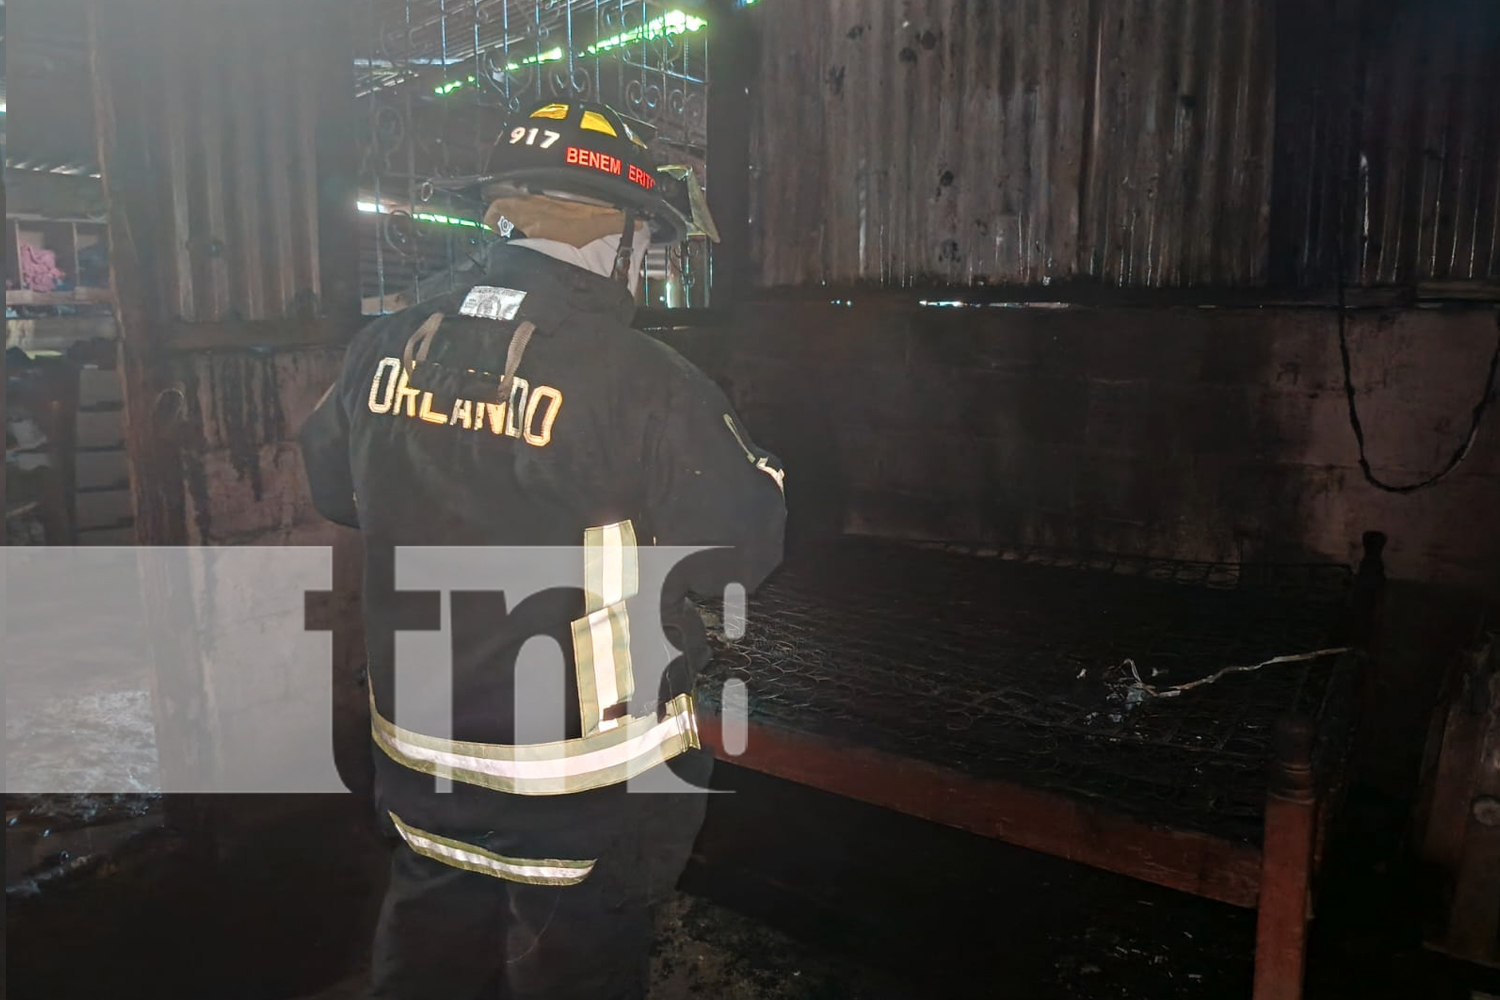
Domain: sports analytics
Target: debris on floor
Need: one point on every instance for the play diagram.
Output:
(705, 950)
(52, 837)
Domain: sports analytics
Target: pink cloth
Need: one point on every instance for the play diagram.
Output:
(39, 270)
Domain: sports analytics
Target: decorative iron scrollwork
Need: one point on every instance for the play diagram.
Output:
(436, 77)
(400, 232)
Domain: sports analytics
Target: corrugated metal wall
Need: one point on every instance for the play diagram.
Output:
(1429, 188)
(222, 105)
(227, 139)
(1388, 142)
(1133, 142)
(1014, 143)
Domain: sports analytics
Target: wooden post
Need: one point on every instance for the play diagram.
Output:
(1286, 866)
(178, 701)
(1368, 603)
(339, 611)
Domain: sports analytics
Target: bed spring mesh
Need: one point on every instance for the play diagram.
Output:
(1009, 667)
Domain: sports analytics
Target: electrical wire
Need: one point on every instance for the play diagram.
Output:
(1175, 690)
(1485, 397)
(1462, 452)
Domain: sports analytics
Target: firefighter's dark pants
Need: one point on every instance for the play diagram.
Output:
(450, 934)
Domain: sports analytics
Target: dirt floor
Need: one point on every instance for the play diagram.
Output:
(793, 895)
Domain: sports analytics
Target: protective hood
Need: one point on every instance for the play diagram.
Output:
(597, 257)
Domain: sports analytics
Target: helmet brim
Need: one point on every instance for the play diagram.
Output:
(667, 224)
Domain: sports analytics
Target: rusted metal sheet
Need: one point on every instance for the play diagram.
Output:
(1019, 143)
(1429, 190)
(225, 102)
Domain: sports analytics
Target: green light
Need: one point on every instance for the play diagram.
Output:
(445, 220)
(372, 208)
(673, 22)
(553, 55)
(451, 86)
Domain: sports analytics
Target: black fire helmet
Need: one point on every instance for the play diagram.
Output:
(590, 152)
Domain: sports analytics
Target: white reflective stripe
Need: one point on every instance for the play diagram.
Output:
(612, 587)
(541, 770)
(547, 871)
(606, 758)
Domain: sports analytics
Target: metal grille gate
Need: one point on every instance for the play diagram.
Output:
(436, 80)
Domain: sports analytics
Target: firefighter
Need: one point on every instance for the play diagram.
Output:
(523, 410)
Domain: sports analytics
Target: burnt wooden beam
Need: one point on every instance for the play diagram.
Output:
(277, 334)
(75, 297)
(58, 333)
(178, 698)
(156, 478)
(1038, 820)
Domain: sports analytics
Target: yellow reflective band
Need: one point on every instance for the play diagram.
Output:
(601, 649)
(458, 854)
(601, 640)
(607, 758)
(595, 121)
(557, 112)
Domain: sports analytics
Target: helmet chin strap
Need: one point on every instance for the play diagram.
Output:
(626, 250)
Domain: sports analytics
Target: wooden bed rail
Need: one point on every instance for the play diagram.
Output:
(1036, 819)
(1286, 866)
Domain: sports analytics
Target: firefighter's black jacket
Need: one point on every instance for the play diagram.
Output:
(618, 426)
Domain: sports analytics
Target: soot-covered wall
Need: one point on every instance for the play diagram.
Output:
(242, 470)
(1185, 432)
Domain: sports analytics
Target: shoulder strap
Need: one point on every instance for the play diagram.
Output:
(418, 343)
(518, 342)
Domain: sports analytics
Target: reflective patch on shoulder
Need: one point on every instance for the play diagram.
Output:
(489, 302)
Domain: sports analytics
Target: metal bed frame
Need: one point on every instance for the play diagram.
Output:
(992, 693)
